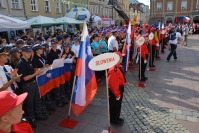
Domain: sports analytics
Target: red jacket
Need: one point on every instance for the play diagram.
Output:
(144, 50)
(115, 79)
(22, 127)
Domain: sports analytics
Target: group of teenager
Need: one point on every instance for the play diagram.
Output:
(21, 62)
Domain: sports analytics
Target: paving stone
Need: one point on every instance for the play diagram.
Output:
(181, 117)
(189, 113)
(193, 119)
(195, 114)
(175, 111)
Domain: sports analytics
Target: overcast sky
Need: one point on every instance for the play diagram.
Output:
(146, 2)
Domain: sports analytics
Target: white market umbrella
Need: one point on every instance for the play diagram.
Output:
(42, 21)
(9, 23)
(67, 20)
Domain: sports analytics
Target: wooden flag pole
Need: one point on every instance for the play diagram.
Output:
(68, 123)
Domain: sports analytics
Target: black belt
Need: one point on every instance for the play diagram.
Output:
(111, 51)
(30, 83)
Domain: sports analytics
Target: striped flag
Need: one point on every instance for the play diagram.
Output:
(126, 49)
(85, 86)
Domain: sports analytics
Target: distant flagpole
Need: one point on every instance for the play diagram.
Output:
(126, 48)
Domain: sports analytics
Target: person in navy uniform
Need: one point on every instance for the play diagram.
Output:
(28, 81)
(113, 45)
(51, 56)
(116, 82)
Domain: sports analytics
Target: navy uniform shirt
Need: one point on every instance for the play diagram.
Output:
(38, 62)
(52, 55)
(25, 68)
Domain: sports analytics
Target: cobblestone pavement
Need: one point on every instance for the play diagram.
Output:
(154, 109)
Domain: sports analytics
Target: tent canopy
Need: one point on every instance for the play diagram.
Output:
(67, 20)
(43, 21)
(9, 23)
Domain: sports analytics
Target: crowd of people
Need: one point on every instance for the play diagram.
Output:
(25, 58)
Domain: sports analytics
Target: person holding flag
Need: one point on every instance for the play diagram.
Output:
(116, 82)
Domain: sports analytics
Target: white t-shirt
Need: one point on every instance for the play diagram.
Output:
(112, 42)
(75, 49)
(178, 35)
(3, 78)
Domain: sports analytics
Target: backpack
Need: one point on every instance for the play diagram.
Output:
(173, 36)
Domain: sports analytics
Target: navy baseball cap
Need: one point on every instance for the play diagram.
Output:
(8, 48)
(20, 41)
(37, 47)
(2, 51)
(114, 31)
(66, 36)
(66, 44)
(53, 41)
(94, 35)
(46, 37)
(26, 48)
(14, 50)
(76, 39)
(45, 45)
(59, 38)
(39, 38)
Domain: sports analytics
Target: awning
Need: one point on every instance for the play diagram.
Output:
(67, 20)
(43, 21)
(9, 23)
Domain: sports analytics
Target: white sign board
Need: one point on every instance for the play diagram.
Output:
(151, 36)
(104, 61)
(140, 41)
(163, 32)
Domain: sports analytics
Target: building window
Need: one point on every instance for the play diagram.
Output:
(47, 6)
(96, 10)
(67, 7)
(34, 5)
(184, 4)
(159, 6)
(57, 7)
(92, 11)
(197, 5)
(2, 3)
(16, 4)
(110, 12)
(104, 12)
(170, 6)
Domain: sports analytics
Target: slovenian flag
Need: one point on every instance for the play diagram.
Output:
(52, 77)
(126, 49)
(85, 86)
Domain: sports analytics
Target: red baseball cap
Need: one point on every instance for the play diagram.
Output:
(9, 100)
(118, 53)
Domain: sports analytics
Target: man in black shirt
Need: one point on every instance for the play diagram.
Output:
(32, 103)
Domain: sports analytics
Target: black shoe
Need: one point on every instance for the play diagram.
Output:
(41, 117)
(46, 113)
(60, 104)
(175, 58)
(145, 78)
(120, 119)
(32, 123)
(168, 60)
(116, 121)
(51, 108)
